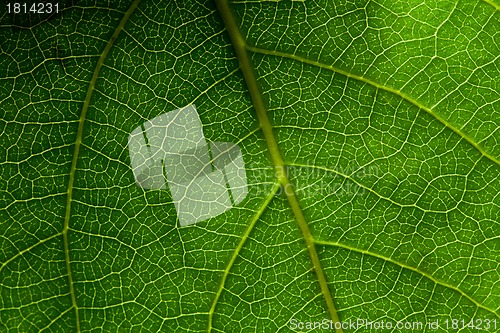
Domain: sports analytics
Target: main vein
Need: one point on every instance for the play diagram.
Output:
(240, 47)
(79, 135)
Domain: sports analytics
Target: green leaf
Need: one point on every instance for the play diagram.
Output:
(370, 132)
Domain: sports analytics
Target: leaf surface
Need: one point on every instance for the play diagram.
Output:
(386, 115)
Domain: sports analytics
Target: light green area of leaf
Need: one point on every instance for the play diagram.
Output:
(387, 117)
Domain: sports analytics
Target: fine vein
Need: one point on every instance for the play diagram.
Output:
(379, 86)
(240, 47)
(78, 142)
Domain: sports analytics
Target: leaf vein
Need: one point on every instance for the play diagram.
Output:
(379, 86)
(240, 47)
(78, 141)
(414, 269)
(237, 250)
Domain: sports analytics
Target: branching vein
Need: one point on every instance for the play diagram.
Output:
(382, 87)
(240, 47)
